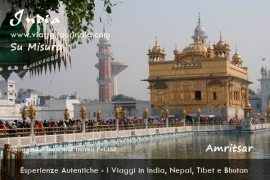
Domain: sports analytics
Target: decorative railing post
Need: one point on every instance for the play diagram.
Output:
(167, 118)
(199, 116)
(98, 114)
(116, 115)
(268, 113)
(184, 117)
(83, 116)
(161, 115)
(265, 117)
(66, 114)
(145, 117)
(32, 115)
(258, 117)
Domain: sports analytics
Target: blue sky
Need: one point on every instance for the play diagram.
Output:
(134, 26)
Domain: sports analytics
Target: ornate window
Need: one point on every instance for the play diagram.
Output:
(215, 95)
(197, 95)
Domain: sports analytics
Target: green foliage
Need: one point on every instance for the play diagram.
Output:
(77, 11)
(122, 97)
(252, 92)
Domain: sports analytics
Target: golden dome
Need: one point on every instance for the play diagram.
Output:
(249, 105)
(197, 47)
(221, 44)
(236, 57)
(156, 48)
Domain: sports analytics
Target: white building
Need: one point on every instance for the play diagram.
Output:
(28, 97)
(8, 109)
(54, 109)
(262, 96)
(265, 88)
(132, 108)
(70, 96)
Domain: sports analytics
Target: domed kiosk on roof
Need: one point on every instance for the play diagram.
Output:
(236, 59)
(156, 54)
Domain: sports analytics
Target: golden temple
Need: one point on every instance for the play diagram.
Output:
(201, 76)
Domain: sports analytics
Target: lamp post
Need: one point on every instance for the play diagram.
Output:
(184, 116)
(116, 115)
(24, 113)
(199, 115)
(265, 116)
(119, 113)
(98, 114)
(66, 114)
(161, 115)
(167, 118)
(258, 116)
(32, 115)
(268, 112)
(83, 116)
(145, 117)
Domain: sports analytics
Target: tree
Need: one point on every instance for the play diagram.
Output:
(76, 11)
(252, 92)
(122, 97)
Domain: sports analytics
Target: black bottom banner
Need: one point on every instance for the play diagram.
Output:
(119, 169)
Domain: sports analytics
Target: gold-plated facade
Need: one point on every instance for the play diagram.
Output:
(199, 76)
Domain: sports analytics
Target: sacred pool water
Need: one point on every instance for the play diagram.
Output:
(185, 156)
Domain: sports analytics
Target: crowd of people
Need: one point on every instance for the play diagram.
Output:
(14, 125)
